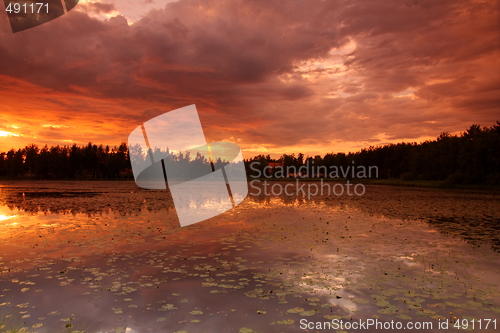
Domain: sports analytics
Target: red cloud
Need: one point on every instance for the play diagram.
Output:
(271, 75)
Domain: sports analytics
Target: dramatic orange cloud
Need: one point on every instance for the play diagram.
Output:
(310, 76)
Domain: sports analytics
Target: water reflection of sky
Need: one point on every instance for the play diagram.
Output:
(264, 265)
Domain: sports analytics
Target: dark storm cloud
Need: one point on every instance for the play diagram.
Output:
(272, 73)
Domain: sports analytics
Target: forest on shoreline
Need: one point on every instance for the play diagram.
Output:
(473, 157)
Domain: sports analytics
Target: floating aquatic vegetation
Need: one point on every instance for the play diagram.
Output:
(326, 259)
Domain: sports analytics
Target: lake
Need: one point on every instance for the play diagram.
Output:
(111, 257)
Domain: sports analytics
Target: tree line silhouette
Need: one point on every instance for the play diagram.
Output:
(473, 157)
(66, 162)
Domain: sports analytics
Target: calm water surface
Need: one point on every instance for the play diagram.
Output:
(109, 257)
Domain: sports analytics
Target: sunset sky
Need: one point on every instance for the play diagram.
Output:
(272, 76)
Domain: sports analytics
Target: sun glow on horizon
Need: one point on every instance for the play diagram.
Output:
(5, 217)
(5, 133)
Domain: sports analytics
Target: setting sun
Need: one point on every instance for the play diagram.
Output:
(5, 133)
